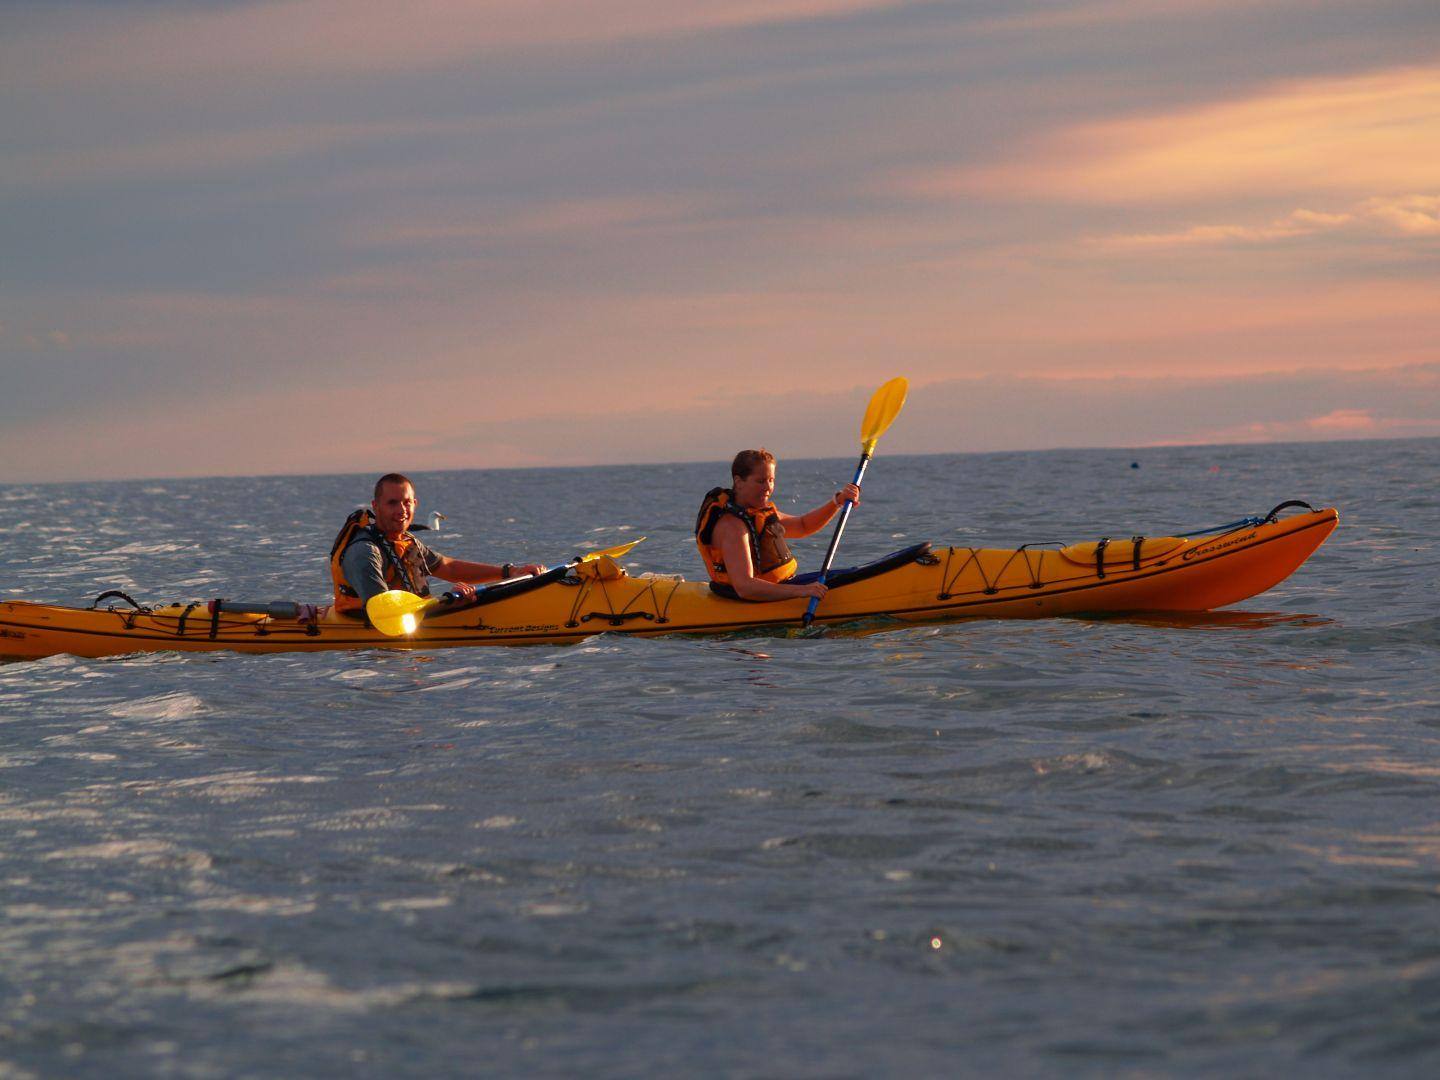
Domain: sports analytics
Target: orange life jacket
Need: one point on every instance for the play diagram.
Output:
(769, 554)
(404, 569)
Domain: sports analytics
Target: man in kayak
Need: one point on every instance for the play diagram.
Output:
(741, 535)
(374, 552)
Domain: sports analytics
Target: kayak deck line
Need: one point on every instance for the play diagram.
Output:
(1196, 572)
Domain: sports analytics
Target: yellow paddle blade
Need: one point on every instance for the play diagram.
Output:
(884, 407)
(613, 552)
(397, 612)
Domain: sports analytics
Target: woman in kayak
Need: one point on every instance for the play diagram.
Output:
(374, 552)
(741, 535)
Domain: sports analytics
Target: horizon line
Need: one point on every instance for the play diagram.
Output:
(702, 460)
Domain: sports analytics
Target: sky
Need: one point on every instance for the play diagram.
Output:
(320, 236)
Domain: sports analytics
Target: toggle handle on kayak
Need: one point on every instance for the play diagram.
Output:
(1274, 515)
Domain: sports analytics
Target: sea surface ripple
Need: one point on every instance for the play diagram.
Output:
(1150, 846)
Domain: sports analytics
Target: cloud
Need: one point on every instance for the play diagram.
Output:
(1360, 135)
(559, 219)
(313, 39)
(1404, 216)
(1297, 223)
(1109, 12)
(1336, 424)
(1349, 421)
(1410, 215)
(33, 341)
(213, 151)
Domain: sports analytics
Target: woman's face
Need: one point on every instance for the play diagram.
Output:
(755, 490)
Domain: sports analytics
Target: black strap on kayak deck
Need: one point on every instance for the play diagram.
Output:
(180, 627)
(116, 593)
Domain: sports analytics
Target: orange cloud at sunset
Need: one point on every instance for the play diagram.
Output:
(1382, 216)
(1366, 135)
(1414, 215)
(1337, 424)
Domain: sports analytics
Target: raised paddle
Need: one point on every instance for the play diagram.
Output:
(399, 612)
(883, 408)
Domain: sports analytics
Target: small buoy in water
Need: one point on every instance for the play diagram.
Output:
(1134, 464)
(1214, 468)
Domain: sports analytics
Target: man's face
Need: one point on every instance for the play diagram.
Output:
(755, 490)
(394, 508)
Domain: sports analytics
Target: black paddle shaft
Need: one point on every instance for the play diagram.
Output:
(277, 609)
(844, 517)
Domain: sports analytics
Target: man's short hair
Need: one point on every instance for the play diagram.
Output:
(391, 478)
(747, 461)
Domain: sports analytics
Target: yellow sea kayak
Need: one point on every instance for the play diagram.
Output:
(1193, 572)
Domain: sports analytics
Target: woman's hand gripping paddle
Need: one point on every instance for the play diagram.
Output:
(884, 407)
(399, 612)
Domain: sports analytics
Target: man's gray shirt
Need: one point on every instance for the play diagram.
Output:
(364, 565)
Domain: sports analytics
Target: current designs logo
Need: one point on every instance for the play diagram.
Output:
(1210, 549)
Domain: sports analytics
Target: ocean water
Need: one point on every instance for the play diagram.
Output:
(1125, 847)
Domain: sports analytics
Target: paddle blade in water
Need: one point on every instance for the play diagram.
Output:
(884, 407)
(396, 612)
